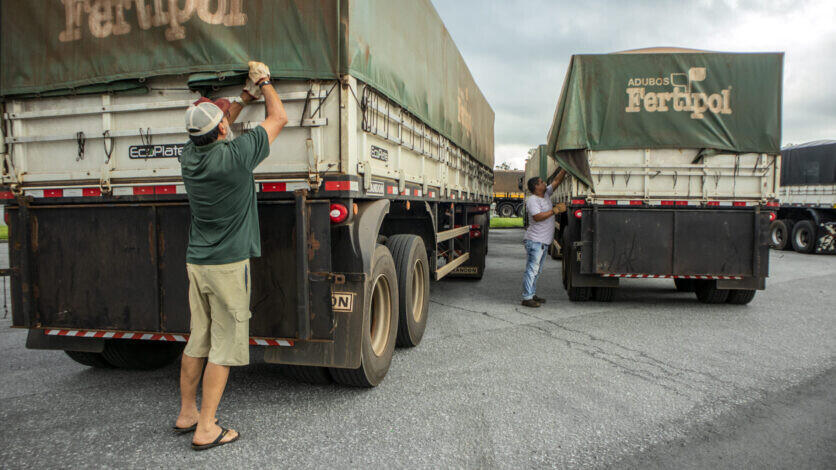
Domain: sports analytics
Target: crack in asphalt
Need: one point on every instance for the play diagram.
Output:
(485, 313)
(684, 377)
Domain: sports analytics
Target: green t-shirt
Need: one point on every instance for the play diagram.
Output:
(222, 198)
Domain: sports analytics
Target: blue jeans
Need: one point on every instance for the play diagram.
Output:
(535, 254)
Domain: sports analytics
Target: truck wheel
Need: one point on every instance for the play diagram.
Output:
(411, 264)
(89, 359)
(505, 210)
(778, 234)
(380, 325)
(741, 296)
(307, 374)
(604, 294)
(141, 355)
(708, 293)
(579, 294)
(685, 285)
(804, 237)
(519, 210)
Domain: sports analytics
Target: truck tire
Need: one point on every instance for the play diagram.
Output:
(741, 296)
(307, 374)
(411, 264)
(804, 237)
(380, 325)
(518, 210)
(708, 293)
(89, 359)
(778, 234)
(685, 285)
(141, 355)
(604, 294)
(505, 210)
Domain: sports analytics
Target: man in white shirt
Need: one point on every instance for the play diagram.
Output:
(540, 233)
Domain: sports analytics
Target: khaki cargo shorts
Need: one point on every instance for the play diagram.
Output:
(219, 299)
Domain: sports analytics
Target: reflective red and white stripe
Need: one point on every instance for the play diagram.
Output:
(283, 186)
(668, 276)
(151, 336)
(667, 203)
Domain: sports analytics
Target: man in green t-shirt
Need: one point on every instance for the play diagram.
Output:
(223, 235)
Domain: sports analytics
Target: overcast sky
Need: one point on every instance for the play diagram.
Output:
(518, 51)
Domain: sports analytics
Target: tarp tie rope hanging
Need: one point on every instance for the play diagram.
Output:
(108, 150)
(146, 139)
(80, 140)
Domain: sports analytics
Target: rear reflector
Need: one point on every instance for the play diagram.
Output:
(636, 203)
(610, 202)
(166, 189)
(667, 203)
(772, 217)
(143, 190)
(53, 193)
(338, 213)
(274, 187)
(739, 204)
(578, 202)
(713, 203)
(578, 214)
(6, 217)
(681, 203)
(91, 192)
(773, 204)
(338, 185)
(6, 195)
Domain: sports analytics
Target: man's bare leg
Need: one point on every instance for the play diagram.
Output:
(214, 382)
(190, 371)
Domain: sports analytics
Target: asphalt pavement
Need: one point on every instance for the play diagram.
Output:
(652, 380)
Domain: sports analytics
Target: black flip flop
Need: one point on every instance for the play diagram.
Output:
(217, 442)
(188, 429)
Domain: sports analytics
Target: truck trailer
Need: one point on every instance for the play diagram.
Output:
(380, 183)
(806, 219)
(508, 197)
(674, 162)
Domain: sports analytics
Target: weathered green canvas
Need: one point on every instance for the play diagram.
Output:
(400, 47)
(716, 101)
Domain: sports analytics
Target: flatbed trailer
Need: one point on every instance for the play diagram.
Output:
(362, 203)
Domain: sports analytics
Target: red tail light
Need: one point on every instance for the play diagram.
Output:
(772, 217)
(475, 234)
(338, 213)
(578, 214)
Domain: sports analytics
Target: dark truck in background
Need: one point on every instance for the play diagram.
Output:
(673, 156)
(371, 192)
(806, 219)
(508, 197)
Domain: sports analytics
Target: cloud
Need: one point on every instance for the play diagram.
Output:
(518, 51)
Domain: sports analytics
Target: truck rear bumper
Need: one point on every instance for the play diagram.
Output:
(729, 246)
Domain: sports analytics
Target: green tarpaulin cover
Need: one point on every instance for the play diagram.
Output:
(714, 101)
(399, 47)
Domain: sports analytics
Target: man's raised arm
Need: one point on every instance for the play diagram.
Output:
(276, 115)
